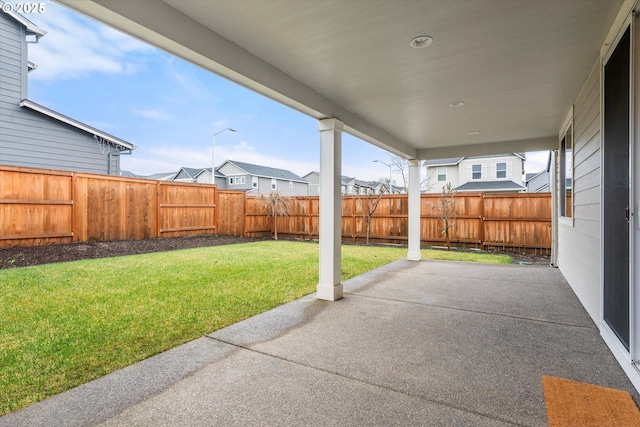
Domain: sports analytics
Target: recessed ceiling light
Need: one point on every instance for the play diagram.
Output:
(474, 132)
(421, 41)
(454, 104)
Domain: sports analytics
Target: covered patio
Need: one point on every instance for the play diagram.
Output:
(412, 343)
(430, 79)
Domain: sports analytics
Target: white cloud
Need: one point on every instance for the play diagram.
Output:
(185, 76)
(153, 114)
(536, 161)
(75, 46)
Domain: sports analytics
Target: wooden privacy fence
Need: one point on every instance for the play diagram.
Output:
(484, 221)
(40, 207)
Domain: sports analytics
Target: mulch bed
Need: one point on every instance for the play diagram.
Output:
(22, 256)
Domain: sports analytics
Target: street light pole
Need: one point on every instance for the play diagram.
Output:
(390, 174)
(213, 154)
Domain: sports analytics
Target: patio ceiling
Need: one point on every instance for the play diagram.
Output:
(516, 64)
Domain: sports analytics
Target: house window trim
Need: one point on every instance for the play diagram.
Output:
(503, 171)
(567, 133)
(242, 180)
(274, 184)
(254, 182)
(474, 172)
(443, 175)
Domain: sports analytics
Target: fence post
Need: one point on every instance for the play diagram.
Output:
(158, 210)
(354, 234)
(216, 211)
(482, 223)
(74, 210)
(309, 218)
(244, 213)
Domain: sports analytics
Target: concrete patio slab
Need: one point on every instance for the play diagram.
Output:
(411, 343)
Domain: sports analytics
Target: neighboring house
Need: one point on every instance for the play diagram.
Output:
(163, 176)
(349, 186)
(32, 135)
(488, 174)
(313, 186)
(200, 175)
(254, 179)
(539, 182)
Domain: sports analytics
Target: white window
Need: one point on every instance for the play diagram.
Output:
(254, 181)
(274, 184)
(476, 171)
(501, 170)
(565, 173)
(230, 181)
(442, 174)
(242, 180)
(350, 189)
(290, 184)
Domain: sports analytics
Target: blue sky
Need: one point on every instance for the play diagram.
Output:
(169, 108)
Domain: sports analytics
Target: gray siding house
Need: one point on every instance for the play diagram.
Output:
(348, 185)
(32, 135)
(254, 179)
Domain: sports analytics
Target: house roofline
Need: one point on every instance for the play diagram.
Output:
(30, 26)
(79, 125)
(536, 175)
(301, 180)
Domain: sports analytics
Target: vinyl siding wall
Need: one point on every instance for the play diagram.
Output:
(435, 186)
(264, 187)
(28, 138)
(539, 184)
(579, 242)
(514, 169)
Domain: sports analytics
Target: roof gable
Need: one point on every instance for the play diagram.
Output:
(443, 162)
(265, 171)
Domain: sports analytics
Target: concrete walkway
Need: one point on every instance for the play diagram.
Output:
(412, 343)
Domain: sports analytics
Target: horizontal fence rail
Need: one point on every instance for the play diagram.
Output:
(41, 207)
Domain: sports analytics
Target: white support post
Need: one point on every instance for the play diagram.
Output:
(330, 283)
(413, 253)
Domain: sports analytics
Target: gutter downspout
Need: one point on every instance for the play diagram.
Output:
(553, 184)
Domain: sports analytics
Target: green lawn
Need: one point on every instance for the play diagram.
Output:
(62, 325)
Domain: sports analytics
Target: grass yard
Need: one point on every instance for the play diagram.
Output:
(62, 325)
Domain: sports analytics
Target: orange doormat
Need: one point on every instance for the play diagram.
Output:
(570, 403)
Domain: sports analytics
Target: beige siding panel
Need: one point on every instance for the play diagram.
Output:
(591, 180)
(591, 213)
(579, 243)
(589, 142)
(580, 269)
(589, 196)
(588, 105)
(587, 166)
